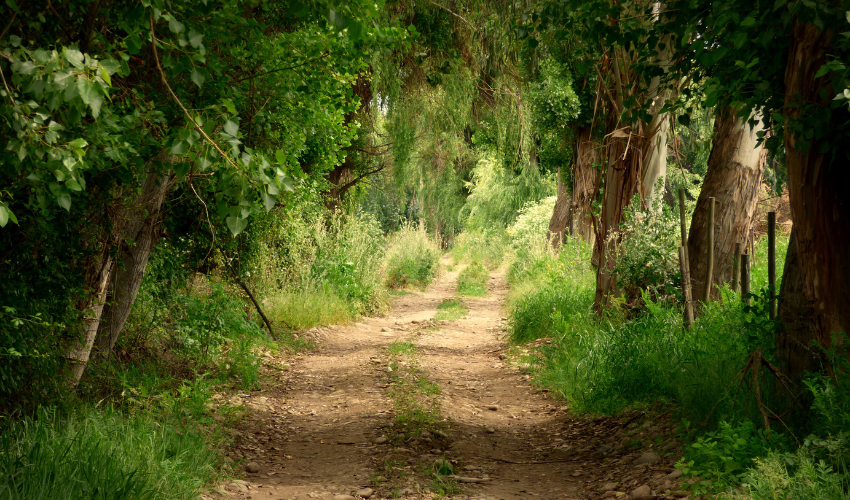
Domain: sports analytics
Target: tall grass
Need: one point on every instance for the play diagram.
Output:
(603, 365)
(99, 454)
(472, 280)
(487, 247)
(412, 257)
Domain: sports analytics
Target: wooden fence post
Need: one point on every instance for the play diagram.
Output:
(686, 288)
(709, 277)
(736, 267)
(771, 261)
(745, 277)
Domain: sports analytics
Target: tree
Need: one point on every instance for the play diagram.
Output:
(733, 179)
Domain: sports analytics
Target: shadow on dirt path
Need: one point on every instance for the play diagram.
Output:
(320, 429)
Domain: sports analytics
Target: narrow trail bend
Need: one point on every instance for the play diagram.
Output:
(319, 430)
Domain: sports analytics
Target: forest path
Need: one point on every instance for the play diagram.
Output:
(328, 428)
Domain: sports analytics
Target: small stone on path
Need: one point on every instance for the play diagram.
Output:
(608, 486)
(380, 440)
(252, 467)
(343, 497)
(647, 458)
(490, 430)
(676, 474)
(364, 492)
(641, 491)
(492, 407)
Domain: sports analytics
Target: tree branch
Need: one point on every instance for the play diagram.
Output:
(276, 70)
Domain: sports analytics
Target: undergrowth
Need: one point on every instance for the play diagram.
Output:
(416, 400)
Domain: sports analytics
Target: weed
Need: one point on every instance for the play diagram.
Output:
(472, 281)
(451, 309)
(415, 398)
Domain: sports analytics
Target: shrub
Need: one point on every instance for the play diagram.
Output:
(647, 252)
(412, 258)
(532, 222)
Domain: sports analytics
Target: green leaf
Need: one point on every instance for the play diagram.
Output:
(180, 148)
(231, 127)
(268, 201)
(822, 71)
(73, 185)
(111, 66)
(228, 104)
(16, 41)
(175, 26)
(87, 90)
(280, 156)
(748, 21)
(195, 38)
(287, 184)
(78, 144)
(74, 56)
(197, 77)
(4, 216)
(64, 201)
(236, 225)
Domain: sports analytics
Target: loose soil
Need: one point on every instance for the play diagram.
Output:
(323, 425)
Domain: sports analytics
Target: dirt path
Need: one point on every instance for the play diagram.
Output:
(321, 430)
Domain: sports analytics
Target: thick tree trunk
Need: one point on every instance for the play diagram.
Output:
(585, 176)
(138, 227)
(735, 169)
(817, 184)
(794, 348)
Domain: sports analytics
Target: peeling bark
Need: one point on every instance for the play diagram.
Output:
(573, 207)
(735, 168)
(138, 230)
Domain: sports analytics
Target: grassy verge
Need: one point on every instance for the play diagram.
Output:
(634, 358)
(485, 247)
(104, 455)
(472, 281)
(450, 310)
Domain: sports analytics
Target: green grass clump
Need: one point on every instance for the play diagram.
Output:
(415, 398)
(412, 258)
(98, 454)
(451, 309)
(472, 281)
(308, 308)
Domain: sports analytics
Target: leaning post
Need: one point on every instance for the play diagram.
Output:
(771, 261)
(736, 267)
(686, 289)
(745, 278)
(709, 277)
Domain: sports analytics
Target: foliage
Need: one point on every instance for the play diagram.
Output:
(722, 458)
(647, 252)
(532, 222)
(487, 247)
(472, 280)
(102, 454)
(412, 258)
(304, 309)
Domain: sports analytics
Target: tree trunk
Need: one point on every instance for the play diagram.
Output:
(560, 221)
(735, 168)
(817, 183)
(98, 275)
(794, 348)
(574, 206)
(622, 180)
(138, 227)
